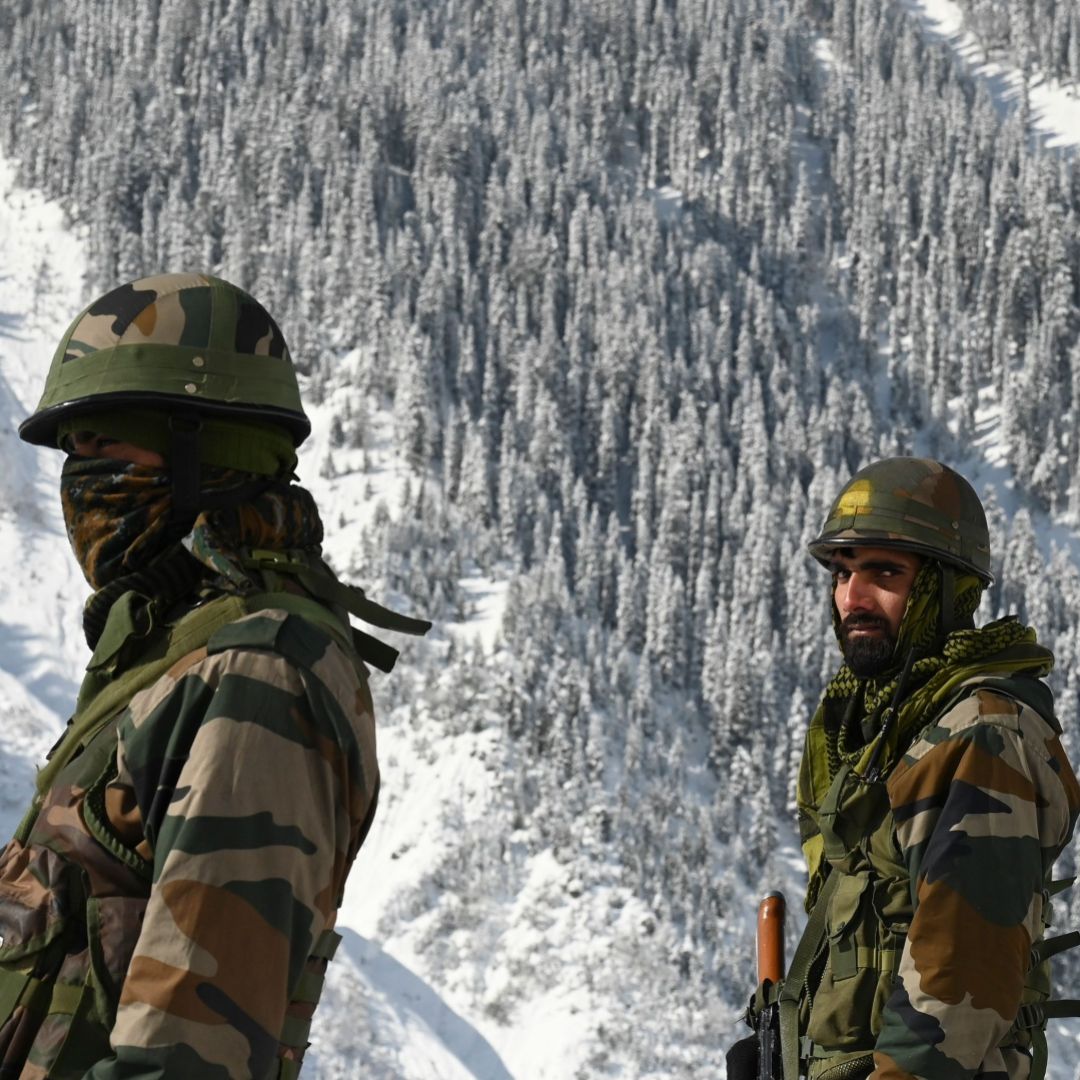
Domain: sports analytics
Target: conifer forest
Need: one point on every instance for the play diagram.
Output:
(634, 288)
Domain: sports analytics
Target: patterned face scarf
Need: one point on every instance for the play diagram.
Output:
(279, 519)
(118, 522)
(116, 514)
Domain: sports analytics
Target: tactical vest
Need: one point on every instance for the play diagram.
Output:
(71, 904)
(842, 973)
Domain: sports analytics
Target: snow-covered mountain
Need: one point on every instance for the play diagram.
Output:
(597, 307)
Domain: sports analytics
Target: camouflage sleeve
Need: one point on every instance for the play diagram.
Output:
(983, 804)
(250, 780)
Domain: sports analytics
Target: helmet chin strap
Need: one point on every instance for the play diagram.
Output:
(188, 498)
(184, 430)
(948, 599)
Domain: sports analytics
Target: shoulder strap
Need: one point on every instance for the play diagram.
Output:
(368, 648)
(314, 576)
(190, 633)
(813, 937)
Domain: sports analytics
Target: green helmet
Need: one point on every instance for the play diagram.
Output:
(916, 504)
(187, 345)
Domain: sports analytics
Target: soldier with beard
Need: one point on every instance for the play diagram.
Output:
(934, 797)
(167, 905)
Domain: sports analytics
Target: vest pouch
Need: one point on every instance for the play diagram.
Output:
(850, 812)
(83, 1007)
(38, 893)
(849, 989)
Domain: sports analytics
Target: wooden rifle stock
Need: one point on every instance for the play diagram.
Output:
(770, 972)
(770, 938)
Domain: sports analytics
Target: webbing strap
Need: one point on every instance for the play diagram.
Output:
(34, 997)
(1035, 1014)
(883, 960)
(65, 997)
(805, 952)
(184, 429)
(332, 591)
(948, 598)
(192, 632)
(1032, 1019)
(11, 991)
(309, 988)
(326, 945)
(1047, 947)
(296, 1031)
(1040, 1054)
(288, 1069)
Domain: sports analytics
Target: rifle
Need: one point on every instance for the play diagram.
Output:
(770, 973)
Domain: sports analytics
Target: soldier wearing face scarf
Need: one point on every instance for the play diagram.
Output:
(167, 905)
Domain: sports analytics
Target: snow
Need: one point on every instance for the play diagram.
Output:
(825, 54)
(41, 661)
(1055, 109)
(362, 481)
(485, 599)
(1055, 118)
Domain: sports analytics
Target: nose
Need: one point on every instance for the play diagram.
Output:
(853, 595)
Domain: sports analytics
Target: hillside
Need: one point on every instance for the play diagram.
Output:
(597, 307)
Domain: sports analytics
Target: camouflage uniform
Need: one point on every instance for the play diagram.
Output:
(167, 905)
(983, 803)
(206, 833)
(932, 808)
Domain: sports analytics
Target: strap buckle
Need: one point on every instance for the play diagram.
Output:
(1029, 1016)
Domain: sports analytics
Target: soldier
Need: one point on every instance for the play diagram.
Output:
(934, 797)
(167, 904)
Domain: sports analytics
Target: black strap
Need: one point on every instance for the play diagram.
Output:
(184, 430)
(375, 652)
(1047, 947)
(948, 599)
(188, 498)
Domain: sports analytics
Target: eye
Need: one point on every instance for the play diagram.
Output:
(76, 442)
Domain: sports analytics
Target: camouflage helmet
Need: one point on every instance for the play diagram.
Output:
(916, 504)
(177, 343)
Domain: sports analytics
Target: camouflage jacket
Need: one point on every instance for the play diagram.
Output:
(940, 896)
(166, 915)
(984, 802)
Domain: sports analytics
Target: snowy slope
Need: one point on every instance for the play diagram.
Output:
(1055, 123)
(1055, 110)
(41, 652)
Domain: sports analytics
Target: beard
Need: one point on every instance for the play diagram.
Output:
(867, 655)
